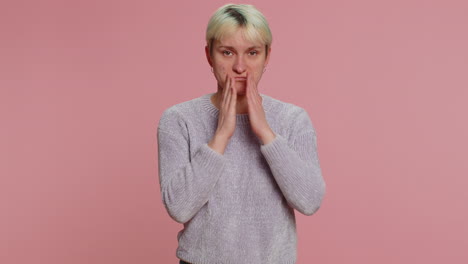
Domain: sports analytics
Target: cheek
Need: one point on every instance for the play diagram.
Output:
(220, 75)
(221, 69)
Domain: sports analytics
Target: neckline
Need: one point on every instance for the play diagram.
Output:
(241, 119)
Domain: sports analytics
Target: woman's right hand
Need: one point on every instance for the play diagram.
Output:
(226, 117)
(227, 111)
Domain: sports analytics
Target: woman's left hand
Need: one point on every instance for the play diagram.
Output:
(257, 117)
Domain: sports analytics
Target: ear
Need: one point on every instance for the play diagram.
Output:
(267, 59)
(208, 56)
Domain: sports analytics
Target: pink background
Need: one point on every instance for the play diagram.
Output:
(84, 83)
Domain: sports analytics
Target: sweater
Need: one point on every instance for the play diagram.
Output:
(238, 207)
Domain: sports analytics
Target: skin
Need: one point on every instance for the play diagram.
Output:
(232, 57)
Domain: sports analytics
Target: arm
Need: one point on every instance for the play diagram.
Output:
(186, 182)
(295, 167)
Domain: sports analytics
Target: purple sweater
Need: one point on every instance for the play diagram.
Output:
(238, 207)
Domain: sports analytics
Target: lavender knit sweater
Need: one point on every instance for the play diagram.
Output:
(238, 208)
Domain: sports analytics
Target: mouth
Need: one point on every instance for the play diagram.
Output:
(241, 79)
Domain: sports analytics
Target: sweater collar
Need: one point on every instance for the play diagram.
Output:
(240, 118)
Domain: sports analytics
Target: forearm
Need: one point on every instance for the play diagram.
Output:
(219, 143)
(297, 172)
(186, 183)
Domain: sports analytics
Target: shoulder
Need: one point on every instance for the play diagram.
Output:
(283, 107)
(176, 116)
(290, 114)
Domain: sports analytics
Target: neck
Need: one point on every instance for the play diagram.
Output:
(241, 104)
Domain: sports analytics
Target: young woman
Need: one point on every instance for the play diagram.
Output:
(234, 164)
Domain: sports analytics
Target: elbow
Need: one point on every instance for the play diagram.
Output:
(177, 213)
(314, 201)
(311, 209)
(176, 209)
(180, 218)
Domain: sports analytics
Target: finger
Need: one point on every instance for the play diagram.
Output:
(250, 91)
(248, 85)
(233, 101)
(254, 89)
(226, 89)
(226, 83)
(227, 103)
(234, 97)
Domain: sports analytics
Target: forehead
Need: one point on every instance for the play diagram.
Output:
(238, 39)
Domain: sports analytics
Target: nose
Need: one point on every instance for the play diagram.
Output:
(239, 65)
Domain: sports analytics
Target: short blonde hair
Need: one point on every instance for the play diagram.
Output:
(230, 17)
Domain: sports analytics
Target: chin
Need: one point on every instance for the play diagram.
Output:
(240, 90)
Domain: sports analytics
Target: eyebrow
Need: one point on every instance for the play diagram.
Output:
(229, 47)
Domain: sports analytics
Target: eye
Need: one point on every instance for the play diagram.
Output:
(253, 52)
(227, 52)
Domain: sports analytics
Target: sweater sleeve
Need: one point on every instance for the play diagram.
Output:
(295, 166)
(186, 182)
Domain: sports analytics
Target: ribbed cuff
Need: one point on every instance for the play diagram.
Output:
(274, 150)
(210, 159)
(208, 259)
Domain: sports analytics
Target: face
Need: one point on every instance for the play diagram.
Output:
(235, 56)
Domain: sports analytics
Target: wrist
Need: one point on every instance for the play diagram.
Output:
(218, 143)
(267, 137)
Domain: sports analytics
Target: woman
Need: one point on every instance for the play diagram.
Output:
(233, 165)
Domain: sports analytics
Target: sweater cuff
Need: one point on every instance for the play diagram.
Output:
(210, 159)
(275, 150)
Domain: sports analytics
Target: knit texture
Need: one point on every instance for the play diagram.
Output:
(238, 207)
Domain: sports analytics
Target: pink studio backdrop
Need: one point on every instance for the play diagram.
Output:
(84, 83)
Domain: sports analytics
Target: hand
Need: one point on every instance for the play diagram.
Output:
(226, 117)
(257, 116)
(227, 111)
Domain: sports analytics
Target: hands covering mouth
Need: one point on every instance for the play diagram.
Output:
(257, 117)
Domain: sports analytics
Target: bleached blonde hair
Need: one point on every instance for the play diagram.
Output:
(230, 17)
